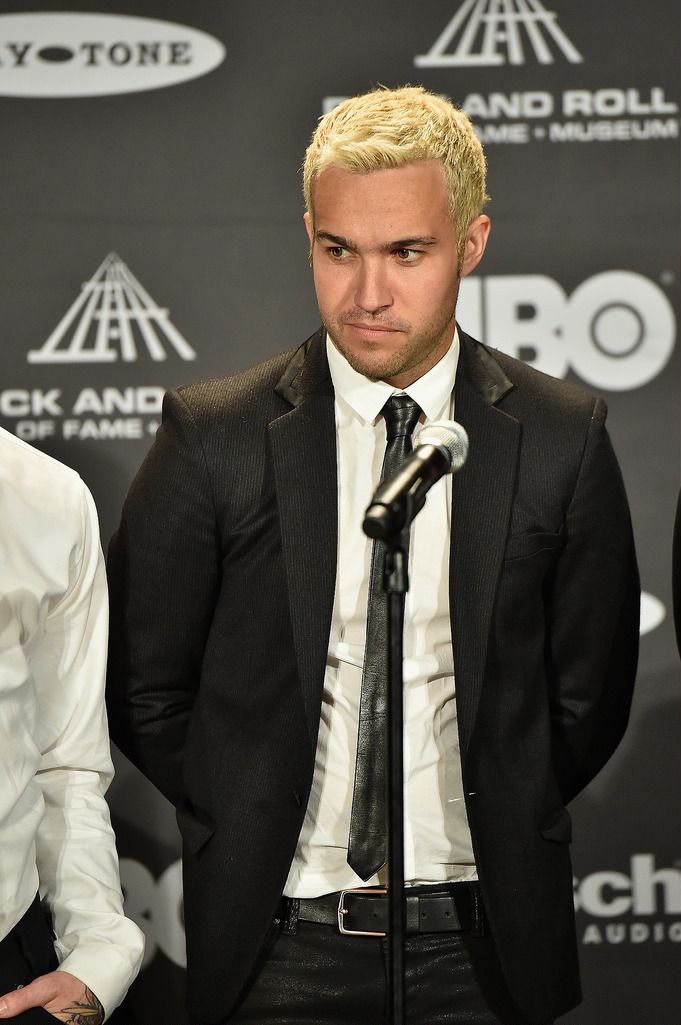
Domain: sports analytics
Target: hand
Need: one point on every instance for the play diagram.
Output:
(63, 995)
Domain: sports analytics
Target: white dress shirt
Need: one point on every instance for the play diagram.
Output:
(55, 764)
(437, 837)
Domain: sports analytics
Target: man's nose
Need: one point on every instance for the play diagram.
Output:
(373, 292)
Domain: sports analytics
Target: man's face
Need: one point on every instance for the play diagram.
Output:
(386, 267)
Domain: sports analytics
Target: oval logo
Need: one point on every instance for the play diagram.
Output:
(51, 55)
(653, 613)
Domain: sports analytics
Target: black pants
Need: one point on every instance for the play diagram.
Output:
(25, 953)
(319, 977)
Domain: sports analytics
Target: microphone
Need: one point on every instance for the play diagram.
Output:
(442, 449)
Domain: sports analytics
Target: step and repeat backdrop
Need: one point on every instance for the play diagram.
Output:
(152, 234)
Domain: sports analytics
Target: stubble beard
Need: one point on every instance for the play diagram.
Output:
(410, 354)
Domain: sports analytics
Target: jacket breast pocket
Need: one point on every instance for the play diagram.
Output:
(523, 546)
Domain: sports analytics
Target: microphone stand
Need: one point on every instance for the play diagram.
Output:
(389, 517)
(396, 585)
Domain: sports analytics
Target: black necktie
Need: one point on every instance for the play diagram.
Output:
(368, 826)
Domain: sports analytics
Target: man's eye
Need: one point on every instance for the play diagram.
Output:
(337, 252)
(407, 255)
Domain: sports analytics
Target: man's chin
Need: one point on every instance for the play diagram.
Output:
(373, 370)
(375, 367)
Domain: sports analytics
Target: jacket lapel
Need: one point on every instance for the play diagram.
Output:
(303, 444)
(482, 496)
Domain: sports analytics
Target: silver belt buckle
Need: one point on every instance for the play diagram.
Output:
(342, 910)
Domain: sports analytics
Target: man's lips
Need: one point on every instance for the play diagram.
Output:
(372, 329)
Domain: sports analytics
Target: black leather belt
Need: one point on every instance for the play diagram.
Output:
(452, 907)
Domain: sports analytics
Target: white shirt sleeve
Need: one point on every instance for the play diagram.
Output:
(75, 847)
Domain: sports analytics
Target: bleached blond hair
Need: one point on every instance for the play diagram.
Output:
(388, 128)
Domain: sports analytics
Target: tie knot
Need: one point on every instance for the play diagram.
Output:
(401, 414)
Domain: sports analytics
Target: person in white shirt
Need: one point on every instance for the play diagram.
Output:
(66, 950)
(245, 671)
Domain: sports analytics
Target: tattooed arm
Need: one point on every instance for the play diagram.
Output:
(60, 993)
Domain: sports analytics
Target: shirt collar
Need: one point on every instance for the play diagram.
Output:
(366, 398)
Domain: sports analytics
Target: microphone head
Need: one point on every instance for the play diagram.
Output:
(449, 436)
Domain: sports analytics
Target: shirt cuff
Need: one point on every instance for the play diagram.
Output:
(108, 969)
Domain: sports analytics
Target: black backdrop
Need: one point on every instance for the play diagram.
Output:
(152, 234)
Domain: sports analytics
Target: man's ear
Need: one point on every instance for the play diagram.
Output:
(474, 246)
(308, 225)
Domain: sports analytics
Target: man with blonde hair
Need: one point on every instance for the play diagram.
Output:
(247, 675)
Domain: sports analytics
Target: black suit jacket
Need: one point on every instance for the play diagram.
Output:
(222, 584)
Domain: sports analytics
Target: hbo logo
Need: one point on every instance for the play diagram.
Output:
(616, 331)
(155, 905)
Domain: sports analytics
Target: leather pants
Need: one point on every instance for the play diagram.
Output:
(319, 977)
(26, 952)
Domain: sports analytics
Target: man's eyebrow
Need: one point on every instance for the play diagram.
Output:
(337, 240)
(409, 243)
(400, 243)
